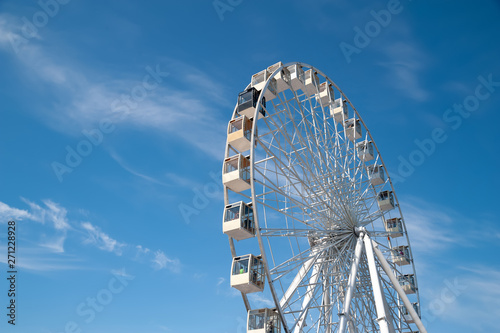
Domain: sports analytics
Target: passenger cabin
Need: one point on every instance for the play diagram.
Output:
(247, 274)
(236, 173)
(407, 282)
(297, 78)
(282, 78)
(376, 174)
(263, 321)
(385, 200)
(311, 82)
(338, 110)
(352, 129)
(365, 150)
(238, 221)
(400, 255)
(406, 315)
(394, 227)
(259, 82)
(325, 95)
(247, 102)
(239, 132)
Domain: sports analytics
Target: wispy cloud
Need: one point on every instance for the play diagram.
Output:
(121, 272)
(8, 213)
(45, 259)
(125, 166)
(161, 261)
(62, 229)
(55, 244)
(261, 301)
(56, 214)
(474, 294)
(430, 228)
(52, 212)
(220, 281)
(141, 252)
(405, 61)
(102, 240)
(187, 106)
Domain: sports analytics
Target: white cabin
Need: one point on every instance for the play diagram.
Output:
(263, 321)
(325, 95)
(247, 274)
(236, 173)
(247, 102)
(339, 111)
(352, 129)
(394, 227)
(385, 200)
(406, 315)
(407, 282)
(365, 150)
(297, 77)
(259, 81)
(239, 132)
(400, 255)
(376, 174)
(282, 78)
(311, 82)
(238, 221)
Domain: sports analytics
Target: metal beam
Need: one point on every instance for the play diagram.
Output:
(387, 269)
(313, 282)
(303, 271)
(351, 284)
(378, 294)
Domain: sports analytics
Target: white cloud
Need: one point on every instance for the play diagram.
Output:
(53, 212)
(101, 239)
(43, 259)
(163, 328)
(430, 228)
(261, 301)
(187, 107)
(55, 244)
(141, 252)
(121, 272)
(220, 281)
(8, 213)
(125, 166)
(161, 261)
(56, 214)
(405, 61)
(472, 293)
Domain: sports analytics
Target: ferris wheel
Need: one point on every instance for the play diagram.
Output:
(312, 217)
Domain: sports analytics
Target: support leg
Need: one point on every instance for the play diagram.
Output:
(387, 269)
(351, 285)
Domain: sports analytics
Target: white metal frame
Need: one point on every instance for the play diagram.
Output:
(311, 193)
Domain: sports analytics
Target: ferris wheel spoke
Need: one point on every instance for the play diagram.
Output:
(311, 288)
(273, 187)
(266, 232)
(303, 207)
(290, 265)
(303, 272)
(315, 165)
(308, 133)
(296, 133)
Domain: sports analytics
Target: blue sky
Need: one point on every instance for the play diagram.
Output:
(154, 84)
